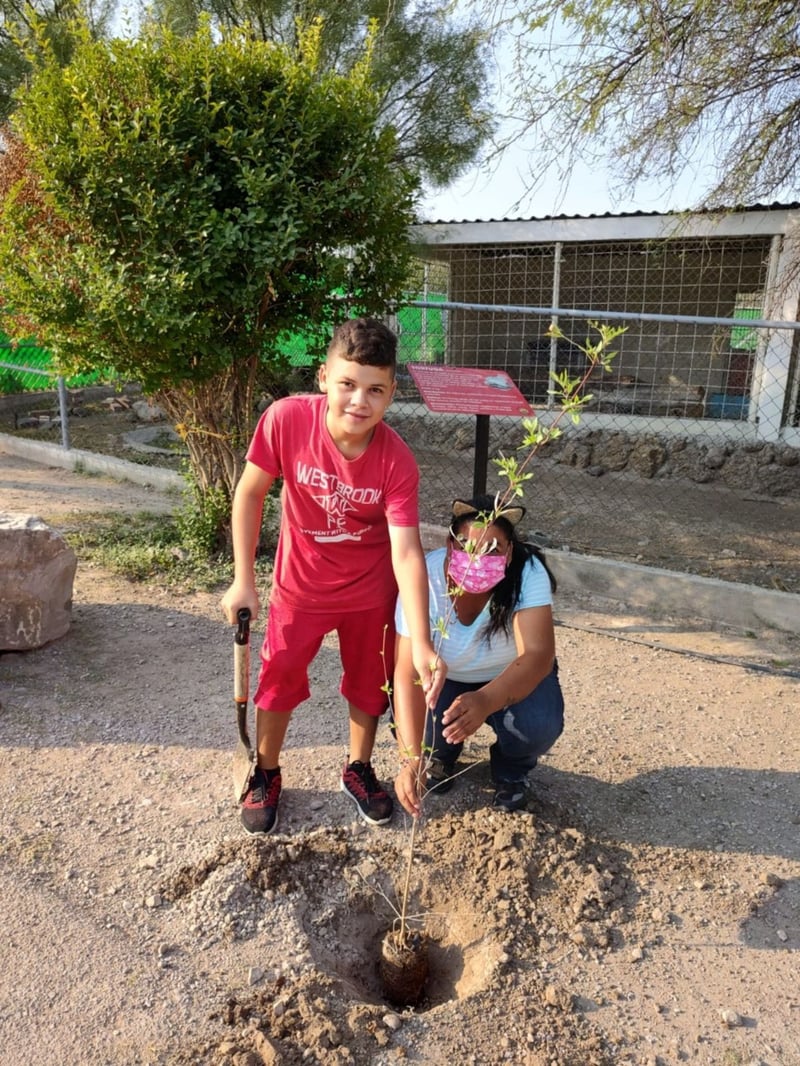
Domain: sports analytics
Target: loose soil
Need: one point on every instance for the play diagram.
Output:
(644, 909)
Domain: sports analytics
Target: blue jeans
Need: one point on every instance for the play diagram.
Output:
(524, 730)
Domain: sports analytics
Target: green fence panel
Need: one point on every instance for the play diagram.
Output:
(25, 367)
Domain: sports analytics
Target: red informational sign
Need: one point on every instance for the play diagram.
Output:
(468, 390)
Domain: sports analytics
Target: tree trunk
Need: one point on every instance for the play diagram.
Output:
(215, 420)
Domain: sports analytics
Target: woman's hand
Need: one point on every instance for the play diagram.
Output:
(407, 787)
(465, 715)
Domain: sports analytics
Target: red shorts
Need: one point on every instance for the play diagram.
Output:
(293, 638)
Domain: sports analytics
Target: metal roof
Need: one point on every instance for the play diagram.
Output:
(738, 209)
(756, 220)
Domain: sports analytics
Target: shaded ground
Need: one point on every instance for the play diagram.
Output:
(645, 909)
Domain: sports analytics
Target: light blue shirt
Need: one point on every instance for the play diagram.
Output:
(465, 650)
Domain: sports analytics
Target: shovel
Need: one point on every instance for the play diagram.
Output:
(244, 756)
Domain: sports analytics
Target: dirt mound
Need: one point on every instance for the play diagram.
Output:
(325, 900)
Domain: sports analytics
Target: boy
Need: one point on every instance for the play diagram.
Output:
(349, 541)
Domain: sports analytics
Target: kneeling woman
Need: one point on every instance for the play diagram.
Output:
(495, 603)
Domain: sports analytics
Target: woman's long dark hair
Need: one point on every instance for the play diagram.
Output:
(505, 595)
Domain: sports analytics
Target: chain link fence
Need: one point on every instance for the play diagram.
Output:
(32, 374)
(687, 455)
(27, 368)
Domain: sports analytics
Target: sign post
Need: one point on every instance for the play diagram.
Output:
(470, 390)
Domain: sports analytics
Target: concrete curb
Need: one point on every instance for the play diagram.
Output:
(92, 462)
(665, 593)
(662, 593)
(669, 593)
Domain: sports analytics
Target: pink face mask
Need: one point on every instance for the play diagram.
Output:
(477, 573)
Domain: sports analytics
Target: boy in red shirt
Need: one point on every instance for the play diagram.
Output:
(349, 541)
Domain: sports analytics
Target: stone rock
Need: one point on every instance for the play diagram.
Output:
(742, 470)
(779, 480)
(556, 996)
(687, 461)
(577, 454)
(613, 451)
(247, 1058)
(158, 440)
(787, 456)
(267, 1048)
(647, 457)
(37, 570)
(731, 1019)
(148, 412)
(770, 878)
(715, 458)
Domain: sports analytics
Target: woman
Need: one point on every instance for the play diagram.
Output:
(491, 594)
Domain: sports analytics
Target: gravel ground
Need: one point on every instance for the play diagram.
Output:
(644, 909)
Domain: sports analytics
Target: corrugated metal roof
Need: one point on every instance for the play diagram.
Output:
(741, 209)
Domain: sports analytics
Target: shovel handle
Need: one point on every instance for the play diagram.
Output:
(242, 626)
(241, 658)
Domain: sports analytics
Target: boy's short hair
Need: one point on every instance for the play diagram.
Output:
(366, 341)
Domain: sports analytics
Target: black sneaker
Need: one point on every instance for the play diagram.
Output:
(260, 805)
(361, 785)
(440, 777)
(510, 796)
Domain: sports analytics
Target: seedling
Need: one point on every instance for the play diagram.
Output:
(404, 951)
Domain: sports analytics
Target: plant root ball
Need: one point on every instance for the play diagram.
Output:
(404, 968)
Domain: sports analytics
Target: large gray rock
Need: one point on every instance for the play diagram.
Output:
(37, 569)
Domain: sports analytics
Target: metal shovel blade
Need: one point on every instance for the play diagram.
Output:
(244, 755)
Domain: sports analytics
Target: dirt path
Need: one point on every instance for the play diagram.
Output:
(52, 492)
(644, 910)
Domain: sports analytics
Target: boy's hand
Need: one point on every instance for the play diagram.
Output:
(239, 595)
(432, 671)
(406, 788)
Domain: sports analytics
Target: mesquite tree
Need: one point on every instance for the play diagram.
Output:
(648, 89)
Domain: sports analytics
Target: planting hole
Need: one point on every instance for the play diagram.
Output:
(314, 903)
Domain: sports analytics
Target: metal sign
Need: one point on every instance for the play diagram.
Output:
(468, 390)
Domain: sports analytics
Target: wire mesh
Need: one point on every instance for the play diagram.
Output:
(688, 449)
(681, 443)
(25, 367)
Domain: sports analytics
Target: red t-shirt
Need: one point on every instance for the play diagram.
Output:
(333, 548)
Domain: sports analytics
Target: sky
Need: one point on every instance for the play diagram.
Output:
(499, 192)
